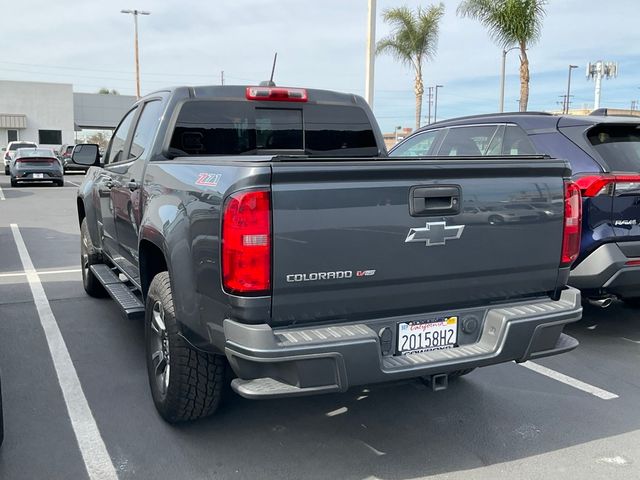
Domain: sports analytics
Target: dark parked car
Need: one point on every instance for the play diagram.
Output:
(36, 165)
(604, 153)
(65, 158)
(266, 230)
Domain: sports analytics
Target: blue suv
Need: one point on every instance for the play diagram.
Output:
(604, 153)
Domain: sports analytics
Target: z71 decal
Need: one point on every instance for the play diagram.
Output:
(208, 179)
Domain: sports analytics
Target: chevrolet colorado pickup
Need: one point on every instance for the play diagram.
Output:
(264, 235)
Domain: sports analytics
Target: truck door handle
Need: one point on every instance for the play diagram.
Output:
(133, 185)
(434, 200)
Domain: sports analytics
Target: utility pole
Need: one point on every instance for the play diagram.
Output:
(565, 110)
(371, 52)
(135, 14)
(435, 105)
(502, 77)
(597, 71)
(429, 97)
(222, 77)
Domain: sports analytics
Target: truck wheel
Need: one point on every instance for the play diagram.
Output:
(89, 256)
(14, 183)
(186, 384)
(7, 171)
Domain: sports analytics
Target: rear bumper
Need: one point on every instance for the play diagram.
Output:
(28, 175)
(605, 272)
(302, 361)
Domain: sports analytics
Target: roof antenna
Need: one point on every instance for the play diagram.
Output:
(270, 82)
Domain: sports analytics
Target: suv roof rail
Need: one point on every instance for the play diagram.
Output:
(489, 115)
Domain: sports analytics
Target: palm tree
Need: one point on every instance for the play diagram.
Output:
(413, 41)
(510, 23)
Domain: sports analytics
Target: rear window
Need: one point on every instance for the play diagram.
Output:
(16, 146)
(618, 145)
(246, 128)
(35, 152)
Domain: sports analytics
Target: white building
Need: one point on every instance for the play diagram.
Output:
(50, 113)
(36, 112)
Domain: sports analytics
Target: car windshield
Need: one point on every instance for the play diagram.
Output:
(34, 152)
(618, 145)
(16, 146)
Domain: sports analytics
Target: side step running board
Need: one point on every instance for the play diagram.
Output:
(125, 297)
(272, 388)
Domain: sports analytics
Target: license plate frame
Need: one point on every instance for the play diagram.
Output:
(439, 333)
(38, 176)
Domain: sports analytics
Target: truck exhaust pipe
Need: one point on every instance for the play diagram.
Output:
(601, 302)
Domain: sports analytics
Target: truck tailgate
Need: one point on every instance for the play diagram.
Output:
(359, 239)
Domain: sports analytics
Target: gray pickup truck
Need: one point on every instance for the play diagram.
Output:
(268, 241)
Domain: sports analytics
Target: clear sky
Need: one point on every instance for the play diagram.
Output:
(320, 44)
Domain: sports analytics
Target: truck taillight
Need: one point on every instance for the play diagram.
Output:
(572, 223)
(607, 184)
(246, 243)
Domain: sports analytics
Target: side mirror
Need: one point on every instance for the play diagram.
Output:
(86, 154)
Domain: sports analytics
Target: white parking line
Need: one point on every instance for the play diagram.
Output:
(94, 452)
(1, 194)
(572, 382)
(42, 272)
(73, 183)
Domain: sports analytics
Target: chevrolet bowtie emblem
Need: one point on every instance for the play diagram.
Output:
(435, 233)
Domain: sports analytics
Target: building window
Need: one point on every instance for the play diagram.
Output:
(12, 136)
(50, 137)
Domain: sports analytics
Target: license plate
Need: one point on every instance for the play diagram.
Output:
(38, 175)
(437, 334)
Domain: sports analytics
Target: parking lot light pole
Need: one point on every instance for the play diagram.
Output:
(371, 52)
(435, 105)
(502, 76)
(565, 110)
(135, 14)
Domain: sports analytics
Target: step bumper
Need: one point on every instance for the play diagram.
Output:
(331, 358)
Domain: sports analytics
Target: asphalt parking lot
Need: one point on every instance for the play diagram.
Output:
(577, 417)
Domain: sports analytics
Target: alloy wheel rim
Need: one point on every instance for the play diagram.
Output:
(160, 349)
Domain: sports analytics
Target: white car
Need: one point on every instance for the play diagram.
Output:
(10, 152)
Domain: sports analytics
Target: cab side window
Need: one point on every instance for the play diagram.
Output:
(116, 149)
(420, 145)
(145, 130)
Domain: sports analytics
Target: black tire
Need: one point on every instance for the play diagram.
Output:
(89, 256)
(7, 171)
(186, 384)
(14, 183)
(60, 183)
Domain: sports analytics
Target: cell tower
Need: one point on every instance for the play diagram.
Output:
(597, 71)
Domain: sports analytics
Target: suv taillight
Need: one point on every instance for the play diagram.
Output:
(246, 243)
(607, 184)
(572, 223)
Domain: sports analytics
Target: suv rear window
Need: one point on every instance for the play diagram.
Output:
(246, 128)
(618, 145)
